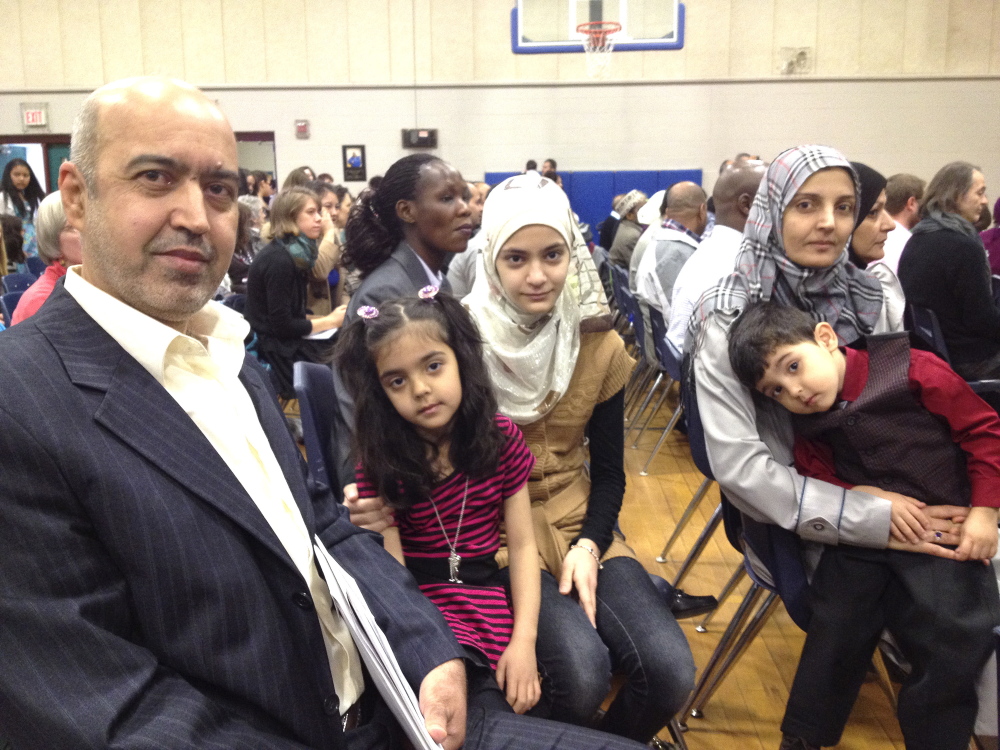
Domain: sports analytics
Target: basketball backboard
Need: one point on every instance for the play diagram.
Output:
(546, 26)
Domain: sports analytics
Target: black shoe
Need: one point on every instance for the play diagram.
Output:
(685, 605)
(796, 743)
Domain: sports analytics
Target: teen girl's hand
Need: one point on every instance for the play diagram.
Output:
(579, 571)
(979, 535)
(517, 675)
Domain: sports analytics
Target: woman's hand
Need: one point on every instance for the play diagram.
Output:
(367, 512)
(579, 571)
(336, 317)
(517, 675)
(908, 520)
(979, 535)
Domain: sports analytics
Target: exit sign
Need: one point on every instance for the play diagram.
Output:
(34, 116)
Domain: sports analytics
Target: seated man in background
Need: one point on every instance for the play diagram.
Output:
(715, 257)
(686, 217)
(944, 268)
(652, 216)
(58, 246)
(607, 228)
(903, 193)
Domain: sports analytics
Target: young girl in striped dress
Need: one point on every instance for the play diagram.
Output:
(430, 441)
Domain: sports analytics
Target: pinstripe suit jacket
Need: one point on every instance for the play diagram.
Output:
(144, 601)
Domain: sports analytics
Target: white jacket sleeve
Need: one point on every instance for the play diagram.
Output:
(750, 452)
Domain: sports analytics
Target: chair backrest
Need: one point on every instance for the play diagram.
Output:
(924, 323)
(634, 313)
(35, 265)
(8, 303)
(317, 397)
(17, 282)
(619, 284)
(665, 354)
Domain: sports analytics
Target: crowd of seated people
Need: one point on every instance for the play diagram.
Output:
(478, 428)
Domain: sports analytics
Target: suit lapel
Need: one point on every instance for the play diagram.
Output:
(143, 415)
(414, 269)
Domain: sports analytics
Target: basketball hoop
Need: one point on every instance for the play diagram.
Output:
(597, 45)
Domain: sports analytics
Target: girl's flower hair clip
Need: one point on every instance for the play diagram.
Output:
(368, 312)
(428, 293)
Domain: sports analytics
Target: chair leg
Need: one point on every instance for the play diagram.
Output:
(745, 639)
(688, 512)
(678, 412)
(878, 661)
(637, 374)
(640, 388)
(652, 412)
(677, 734)
(738, 575)
(637, 417)
(699, 546)
(725, 643)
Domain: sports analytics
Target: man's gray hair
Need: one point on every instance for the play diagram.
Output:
(947, 187)
(49, 222)
(84, 144)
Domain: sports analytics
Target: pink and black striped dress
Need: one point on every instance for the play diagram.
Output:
(478, 609)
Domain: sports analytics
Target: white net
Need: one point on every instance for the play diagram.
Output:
(598, 46)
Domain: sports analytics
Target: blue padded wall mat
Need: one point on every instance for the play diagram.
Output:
(590, 192)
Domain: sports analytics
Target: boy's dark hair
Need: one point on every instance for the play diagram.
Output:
(761, 329)
(393, 454)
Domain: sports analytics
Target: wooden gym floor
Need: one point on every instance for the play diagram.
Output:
(745, 712)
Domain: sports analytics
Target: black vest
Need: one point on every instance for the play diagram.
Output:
(886, 438)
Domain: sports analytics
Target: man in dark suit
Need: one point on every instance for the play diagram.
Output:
(157, 581)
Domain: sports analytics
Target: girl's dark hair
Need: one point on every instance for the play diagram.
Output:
(373, 230)
(340, 191)
(243, 225)
(393, 454)
(320, 188)
(33, 194)
(12, 239)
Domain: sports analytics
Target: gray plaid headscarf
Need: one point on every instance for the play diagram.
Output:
(842, 295)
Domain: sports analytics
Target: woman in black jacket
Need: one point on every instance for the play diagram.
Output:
(944, 267)
(276, 289)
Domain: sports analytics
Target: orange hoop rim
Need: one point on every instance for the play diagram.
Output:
(599, 31)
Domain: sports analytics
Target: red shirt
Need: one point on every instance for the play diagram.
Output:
(36, 294)
(974, 425)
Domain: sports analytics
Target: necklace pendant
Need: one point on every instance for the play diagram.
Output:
(453, 560)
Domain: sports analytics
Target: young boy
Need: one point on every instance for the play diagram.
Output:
(900, 424)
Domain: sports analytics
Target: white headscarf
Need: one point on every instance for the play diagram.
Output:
(532, 357)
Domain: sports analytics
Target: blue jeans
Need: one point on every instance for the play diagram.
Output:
(636, 635)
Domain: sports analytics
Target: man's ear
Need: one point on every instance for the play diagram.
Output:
(74, 195)
(406, 211)
(744, 202)
(826, 337)
(912, 204)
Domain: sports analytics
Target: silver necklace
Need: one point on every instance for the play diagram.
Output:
(454, 558)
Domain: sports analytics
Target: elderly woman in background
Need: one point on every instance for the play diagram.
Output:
(58, 245)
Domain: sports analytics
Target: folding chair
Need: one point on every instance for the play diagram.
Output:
(923, 322)
(317, 395)
(17, 282)
(8, 303)
(671, 365)
(35, 265)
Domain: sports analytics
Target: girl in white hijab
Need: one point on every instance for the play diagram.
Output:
(560, 373)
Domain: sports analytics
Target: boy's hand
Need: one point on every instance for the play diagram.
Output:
(979, 535)
(908, 520)
(517, 675)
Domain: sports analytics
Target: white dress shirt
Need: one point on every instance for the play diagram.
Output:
(714, 258)
(200, 370)
(894, 245)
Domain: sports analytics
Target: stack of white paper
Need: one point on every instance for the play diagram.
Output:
(375, 650)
